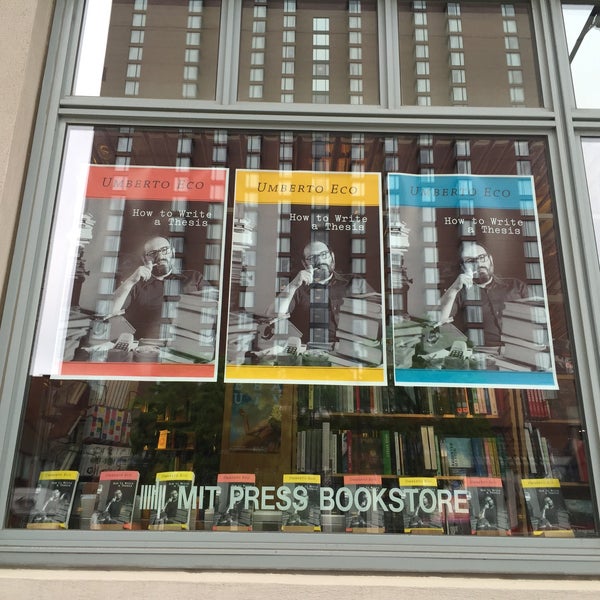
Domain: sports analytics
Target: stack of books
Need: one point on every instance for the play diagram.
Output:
(241, 333)
(194, 328)
(407, 334)
(359, 331)
(78, 327)
(525, 334)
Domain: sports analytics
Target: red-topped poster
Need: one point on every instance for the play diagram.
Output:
(134, 281)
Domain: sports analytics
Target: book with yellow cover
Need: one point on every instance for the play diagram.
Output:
(53, 501)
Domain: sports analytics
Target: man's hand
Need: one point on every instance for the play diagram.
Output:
(464, 280)
(142, 273)
(304, 277)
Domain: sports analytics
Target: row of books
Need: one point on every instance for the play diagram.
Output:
(537, 404)
(407, 400)
(568, 463)
(412, 452)
(468, 505)
(411, 505)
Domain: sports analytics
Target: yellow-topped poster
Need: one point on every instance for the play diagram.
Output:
(306, 300)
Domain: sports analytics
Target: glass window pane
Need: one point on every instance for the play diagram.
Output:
(583, 40)
(486, 39)
(591, 150)
(346, 35)
(162, 35)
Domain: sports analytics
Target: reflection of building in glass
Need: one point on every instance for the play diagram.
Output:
(162, 50)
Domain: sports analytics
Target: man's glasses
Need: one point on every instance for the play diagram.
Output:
(159, 252)
(476, 259)
(319, 256)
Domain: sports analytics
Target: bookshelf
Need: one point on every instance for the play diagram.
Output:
(448, 434)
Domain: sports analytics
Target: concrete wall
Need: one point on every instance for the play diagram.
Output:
(23, 43)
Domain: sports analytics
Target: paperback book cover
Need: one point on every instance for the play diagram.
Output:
(231, 511)
(172, 510)
(546, 508)
(455, 505)
(489, 513)
(115, 500)
(53, 500)
(363, 516)
(304, 512)
(422, 513)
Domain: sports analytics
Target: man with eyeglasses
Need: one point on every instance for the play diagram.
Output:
(142, 294)
(478, 285)
(317, 284)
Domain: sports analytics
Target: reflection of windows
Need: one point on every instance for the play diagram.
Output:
(359, 246)
(212, 251)
(284, 226)
(213, 231)
(476, 336)
(432, 297)
(114, 223)
(531, 249)
(283, 264)
(246, 299)
(321, 24)
(431, 276)
(533, 270)
(430, 235)
(319, 315)
(535, 289)
(106, 285)
(320, 54)
(359, 265)
(211, 272)
(430, 254)
(111, 243)
(108, 264)
(473, 314)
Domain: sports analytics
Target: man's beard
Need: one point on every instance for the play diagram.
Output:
(321, 273)
(161, 268)
(482, 276)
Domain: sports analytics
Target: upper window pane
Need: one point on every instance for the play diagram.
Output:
(149, 49)
(492, 44)
(582, 26)
(591, 151)
(323, 33)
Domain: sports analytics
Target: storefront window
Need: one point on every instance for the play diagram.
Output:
(467, 54)
(161, 450)
(582, 23)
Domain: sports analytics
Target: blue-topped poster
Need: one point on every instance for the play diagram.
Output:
(468, 288)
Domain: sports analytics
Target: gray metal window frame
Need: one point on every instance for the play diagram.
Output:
(559, 121)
